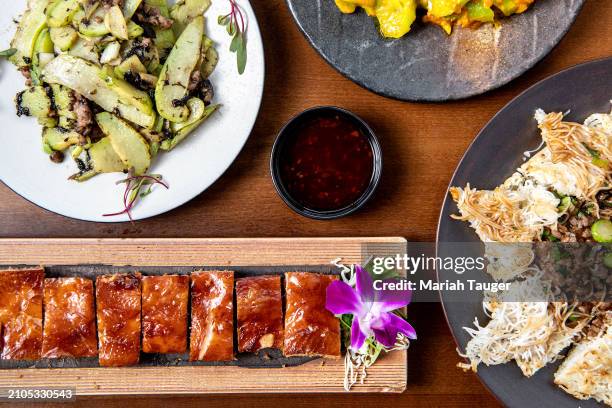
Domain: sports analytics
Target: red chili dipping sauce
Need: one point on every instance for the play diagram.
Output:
(327, 163)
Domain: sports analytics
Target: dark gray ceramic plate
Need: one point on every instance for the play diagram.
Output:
(426, 64)
(493, 156)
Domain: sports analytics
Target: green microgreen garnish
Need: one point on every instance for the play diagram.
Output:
(136, 187)
(236, 24)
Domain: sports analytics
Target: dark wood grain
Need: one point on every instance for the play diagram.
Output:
(422, 145)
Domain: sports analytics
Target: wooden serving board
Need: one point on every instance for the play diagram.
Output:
(318, 376)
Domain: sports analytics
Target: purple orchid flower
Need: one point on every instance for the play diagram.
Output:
(371, 310)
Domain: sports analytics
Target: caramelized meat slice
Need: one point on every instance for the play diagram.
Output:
(21, 319)
(212, 316)
(310, 329)
(260, 313)
(70, 320)
(118, 310)
(164, 313)
(83, 114)
(152, 15)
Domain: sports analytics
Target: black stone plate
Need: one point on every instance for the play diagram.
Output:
(426, 64)
(493, 156)
(267, 358)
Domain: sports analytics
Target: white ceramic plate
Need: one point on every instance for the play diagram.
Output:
(189, 169)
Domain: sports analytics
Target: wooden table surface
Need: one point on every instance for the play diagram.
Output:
(422, 145)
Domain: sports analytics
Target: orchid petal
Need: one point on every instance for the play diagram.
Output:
(357, 336)
(390, 300)
(342, 299)
(388, 326)
(364, 284)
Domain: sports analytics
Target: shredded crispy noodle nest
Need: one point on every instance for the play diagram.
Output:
(574, 161)
(502, 215)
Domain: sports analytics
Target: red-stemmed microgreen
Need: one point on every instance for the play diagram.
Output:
(136, 187)
(236, 24)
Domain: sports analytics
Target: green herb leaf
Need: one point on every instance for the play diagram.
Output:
(594, 153)
(547, 236)
(241, 56)
(223, 20)
(148, 191)
(231, 28)
(236, 43)
(346, 320)
(8, 53)
(236, 24)
(386, 274)
(599, 162)
(377, 349)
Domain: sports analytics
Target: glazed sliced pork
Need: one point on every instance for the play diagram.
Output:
(310, 329)
(164, 313)
(70, 318)
(260, 313)
(118, 309)
(212, 316)
(21, 313)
